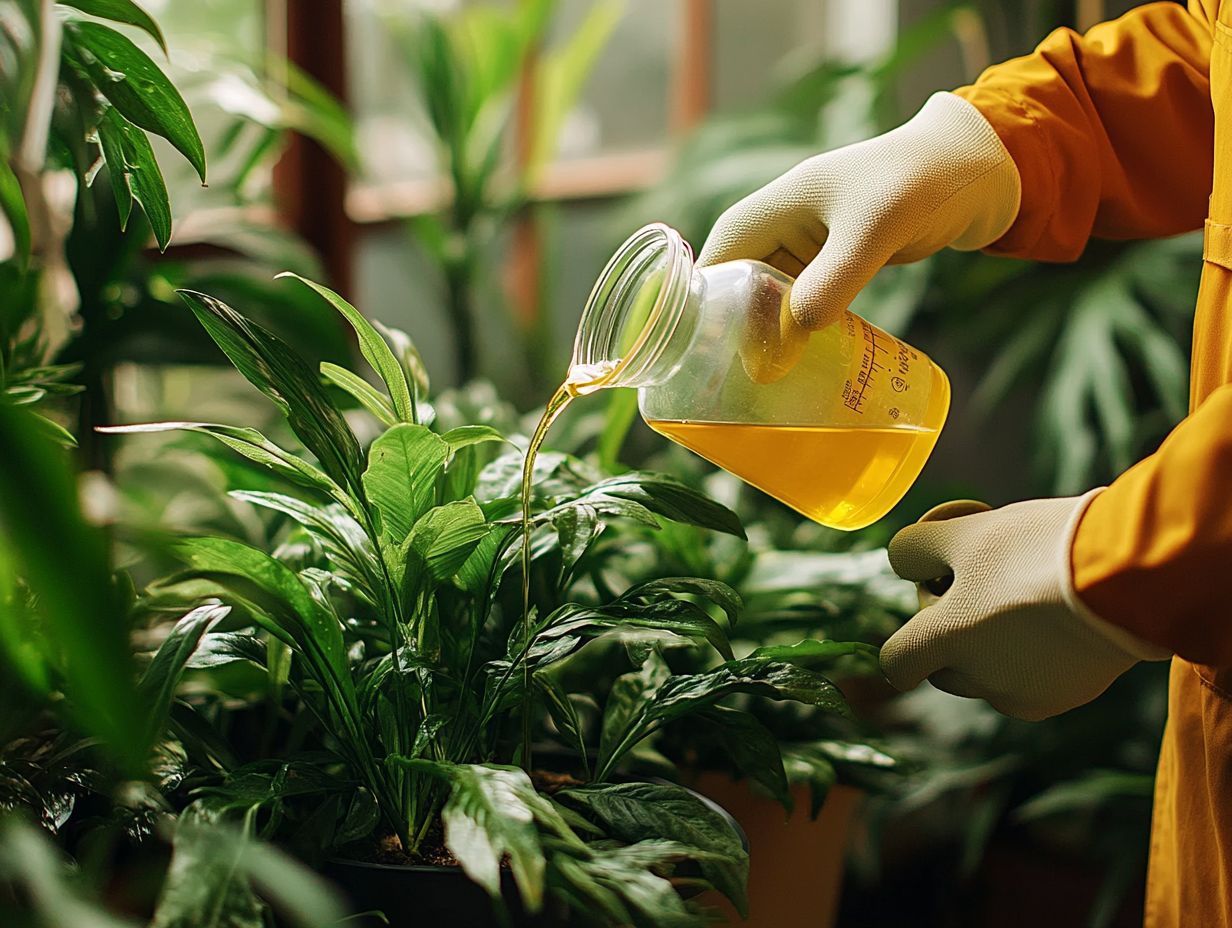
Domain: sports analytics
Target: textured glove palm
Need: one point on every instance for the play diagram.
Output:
(943, 178)
(1009, 629)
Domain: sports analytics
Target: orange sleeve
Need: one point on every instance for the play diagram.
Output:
(1111, 131)
(1153, 551)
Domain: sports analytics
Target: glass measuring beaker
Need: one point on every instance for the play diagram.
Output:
(836, 423)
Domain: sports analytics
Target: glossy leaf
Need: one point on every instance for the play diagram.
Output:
(442, 540)
(804, 764)
(466, 435)
(812, 653)
(248, 442)
(627, 700)
(342, 537)
(639, 811)
(718, 593)
(301, 620)
(564, 715)
(621, 881)
(750, 747)
(362, 391)
(136, 86)
(404, 465)
(687, 693)
(135, 174)
(157, 686)
(121, 11)
(408, 356)
(490, 813)
(373, 347)
(276, 370)
(575, 622)
(641, 496)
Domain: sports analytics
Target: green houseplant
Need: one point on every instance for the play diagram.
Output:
(391, 614)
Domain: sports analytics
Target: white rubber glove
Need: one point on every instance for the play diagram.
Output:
(943, 178)
(1010, 628)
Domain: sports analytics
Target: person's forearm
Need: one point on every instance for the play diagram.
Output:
(1152, 551)
(1112, 131)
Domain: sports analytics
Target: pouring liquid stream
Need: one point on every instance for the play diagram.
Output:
(581, 380)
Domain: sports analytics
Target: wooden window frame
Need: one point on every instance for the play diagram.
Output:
(311, 191)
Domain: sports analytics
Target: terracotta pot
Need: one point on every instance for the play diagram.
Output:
(795, 863)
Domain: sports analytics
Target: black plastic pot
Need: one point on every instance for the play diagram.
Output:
(414, 896)
(427, 896)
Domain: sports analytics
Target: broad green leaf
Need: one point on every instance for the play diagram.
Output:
(566, 628)
(111, 142)
(750, 747)
(135, 174)
(639, 811)
(564, 715)
(466, 435)
(812, 653)
(480, 568)
(805, 764)
(343, 539)
(136, 86)
(157, 686)
(618, 881)
(14, 207)
(251, 444)
(576, 527)
(638, 495)
(718, 593)
(373, 347)
(404, 466)
(121, 11)
(754, 676)
(688, 693)
(408, 356)
(441, 541)
(276, 370)
(283, 599)
(218, 648)
(627, 700)
(491, 812)
(363, 392)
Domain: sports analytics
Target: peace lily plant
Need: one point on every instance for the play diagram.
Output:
(391, 612)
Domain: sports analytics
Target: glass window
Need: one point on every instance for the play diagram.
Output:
(215, 47)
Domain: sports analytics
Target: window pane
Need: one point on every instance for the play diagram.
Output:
(625, 101)
(391, 127)
(214, 46)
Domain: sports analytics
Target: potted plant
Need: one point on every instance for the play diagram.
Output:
(391, 615)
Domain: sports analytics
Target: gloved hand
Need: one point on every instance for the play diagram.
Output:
(943, 178)
(1009, 629)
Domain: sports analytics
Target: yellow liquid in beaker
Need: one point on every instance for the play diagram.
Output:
(841, 477)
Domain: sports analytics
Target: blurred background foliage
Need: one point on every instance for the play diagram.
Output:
(483, 159)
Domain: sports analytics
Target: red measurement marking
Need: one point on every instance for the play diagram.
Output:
(869, 366)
